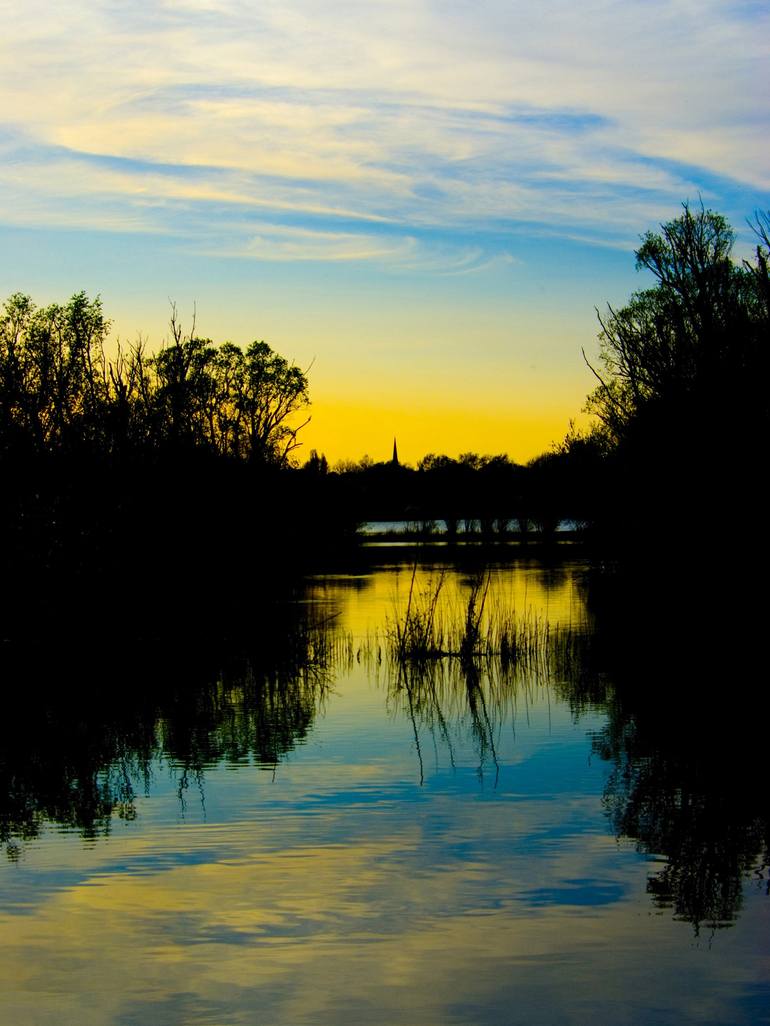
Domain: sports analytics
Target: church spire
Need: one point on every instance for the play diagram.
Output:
(394, 461)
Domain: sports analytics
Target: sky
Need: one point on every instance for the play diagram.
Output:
(422, 203)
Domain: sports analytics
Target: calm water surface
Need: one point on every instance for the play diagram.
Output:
(345, 842)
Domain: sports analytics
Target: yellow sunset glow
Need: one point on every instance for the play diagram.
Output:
(346, 431)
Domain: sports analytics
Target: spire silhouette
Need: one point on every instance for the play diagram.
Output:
(394, 461)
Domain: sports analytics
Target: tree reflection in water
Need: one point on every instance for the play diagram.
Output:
(683, 785)
(675, 675)
(686, 788)
(80, 740)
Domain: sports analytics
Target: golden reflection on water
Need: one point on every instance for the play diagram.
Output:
(331, 934)
(368, 601)
(346, 933)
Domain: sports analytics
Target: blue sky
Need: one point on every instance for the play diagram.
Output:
(425, 199)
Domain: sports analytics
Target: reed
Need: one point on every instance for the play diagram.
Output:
(418, 636)
(481, 630)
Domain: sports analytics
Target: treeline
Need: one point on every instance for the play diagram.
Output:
(144, 487)
(143, 482)
(490, 497)
(681, 412)
(681, 416)
(61, 394)
(681, 392)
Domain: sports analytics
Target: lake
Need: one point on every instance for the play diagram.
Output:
(335, 828)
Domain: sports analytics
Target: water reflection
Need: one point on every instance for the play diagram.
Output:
(79, 757)
(81, 741)
(379, 838)
(684, 786)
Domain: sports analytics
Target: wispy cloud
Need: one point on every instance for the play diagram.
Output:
(279, 242)
(384, 131)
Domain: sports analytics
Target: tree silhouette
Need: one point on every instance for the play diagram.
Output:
(61, 394)
(109, 454)
(681, 395)
(695, 339)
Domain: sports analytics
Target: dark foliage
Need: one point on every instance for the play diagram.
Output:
(143, 488)
(490, 498)
(682, 395)
(60, 394)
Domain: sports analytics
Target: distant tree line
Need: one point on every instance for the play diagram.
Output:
(490, 496)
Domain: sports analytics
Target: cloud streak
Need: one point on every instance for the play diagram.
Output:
(347, 133)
